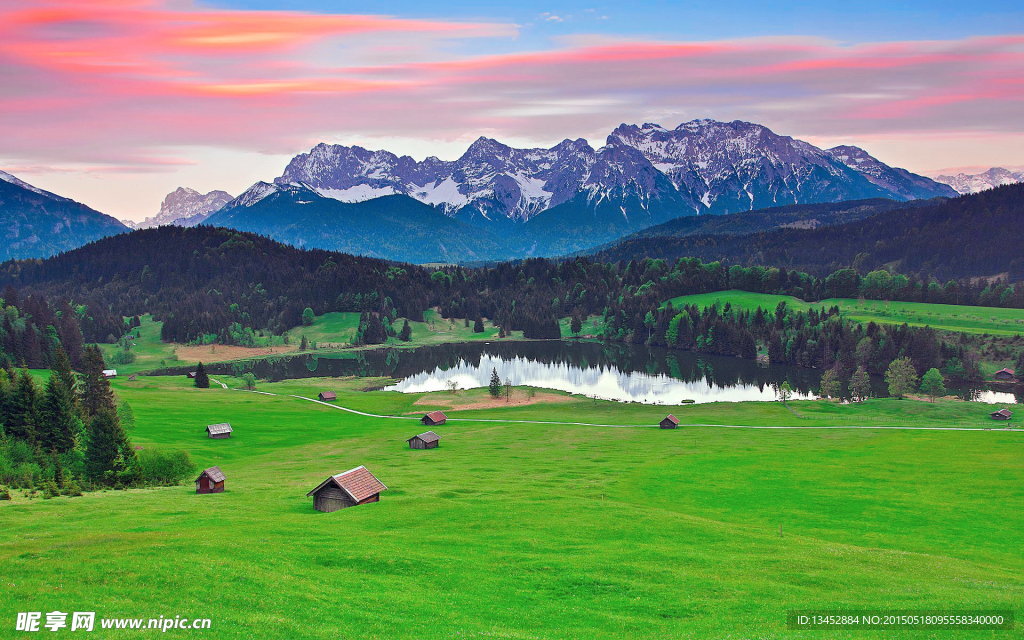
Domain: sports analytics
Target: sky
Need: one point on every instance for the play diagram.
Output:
(115, 103)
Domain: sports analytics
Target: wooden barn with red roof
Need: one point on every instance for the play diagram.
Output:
(434, 418)
(353, 487)
(669, 422)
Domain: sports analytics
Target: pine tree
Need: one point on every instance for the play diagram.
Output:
(96, 393)
(406, 334)
(901, 377)
(22, 418)
(860, 385)
(1019, 367)
(109, 457)
(932, 384)
(202, 379)
(62, 368)
(304, 344)
(478, 326)
(575, 325)
(60, 424)
(494, 388)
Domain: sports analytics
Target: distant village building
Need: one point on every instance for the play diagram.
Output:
(110, 373)
(1002, 414)
(353, 487)
(1005, 374)
(669, 422)
(434, 418)
(327, 396)
(210, 481)
(220, 430)
(426, 440)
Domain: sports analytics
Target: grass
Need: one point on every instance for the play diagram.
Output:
(533, 531)
(944, 317)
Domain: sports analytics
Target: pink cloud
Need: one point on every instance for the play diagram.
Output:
(116, 81)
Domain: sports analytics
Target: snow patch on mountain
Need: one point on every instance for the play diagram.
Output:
(966, 183)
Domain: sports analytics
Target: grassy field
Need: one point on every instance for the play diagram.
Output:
(946, 317)
(533, 531)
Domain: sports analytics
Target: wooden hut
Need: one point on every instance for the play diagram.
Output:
(353, 487)
(132, 378)
(220, 430)
(191, 375)
(669, 422)
(425, 440)
(210, 481)
(1006, 375)
(1002, 414)
(327, 396)
(110, 373)
(434, 418)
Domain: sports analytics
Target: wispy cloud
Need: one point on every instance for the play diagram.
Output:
(118, 81)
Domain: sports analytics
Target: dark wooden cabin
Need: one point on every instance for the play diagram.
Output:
(221, 430)
(669, 422)
(434, 418)
(210, 481)
(1002, 414)
(353, 487)
(327, 396)
(1008, 375)
(425, 440)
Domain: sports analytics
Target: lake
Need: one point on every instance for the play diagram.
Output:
(620, 372)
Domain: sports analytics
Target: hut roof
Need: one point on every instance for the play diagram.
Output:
(222, 427)
(427, 436)
(671, 418)
(437, 415)
(1003, 412)
(1009, 371)
(358, 483)
(109, 373)
(213, 473)
(329, 394)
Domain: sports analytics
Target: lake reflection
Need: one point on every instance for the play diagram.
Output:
(605, 382)
(614, 371)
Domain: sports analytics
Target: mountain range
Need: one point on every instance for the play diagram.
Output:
(185, 207)
(37, 224)
(975, 182)
(498, 202)
(536, 202)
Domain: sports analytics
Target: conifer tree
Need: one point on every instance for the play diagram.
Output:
(202, 379)
(109, 457)
(59, 427)
(22, 419)
(96, 393)
(405, 335)
(478, 326)
(62, 369)
(494, 388)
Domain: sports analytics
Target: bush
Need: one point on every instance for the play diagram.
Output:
(164, 468)
(4, 494)
(122, 356)
(50, 490)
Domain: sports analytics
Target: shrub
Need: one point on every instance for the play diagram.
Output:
(164, 468)
(4, 494)
(50, 490)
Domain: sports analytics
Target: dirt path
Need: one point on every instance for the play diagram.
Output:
(629, 426)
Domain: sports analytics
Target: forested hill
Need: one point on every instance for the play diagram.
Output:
(972, 236)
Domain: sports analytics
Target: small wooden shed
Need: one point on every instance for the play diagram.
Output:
(327, 396)
(221, 430)
(434, 418)
(190, 375)
(425, 440)
(1002, 414)
(110, 373)
(133, 378)
(353, 487)
(210, 481)
(1008, 375)
(669, 422)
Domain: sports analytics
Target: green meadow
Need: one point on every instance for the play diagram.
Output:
(945, 317)
(518, 530)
